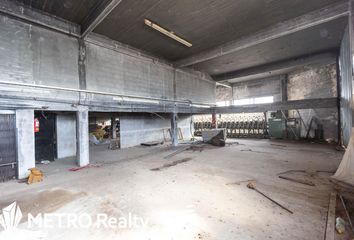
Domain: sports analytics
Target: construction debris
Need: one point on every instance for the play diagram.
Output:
(153, 143)
(305, 182)
(177, 152)
(216, 137)
(331, 214)
(278, 145)
(87, 166)
(174, 163)
(346, 212)
(239, 182)
(340, 225)
(253, 187)
(250, 150)
(35, 176)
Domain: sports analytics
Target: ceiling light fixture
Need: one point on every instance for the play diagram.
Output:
(167, 33)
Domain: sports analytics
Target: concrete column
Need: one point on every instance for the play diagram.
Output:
(214, 123)
(82, 132)
(174, 129)
(25, 142)
(114, 127)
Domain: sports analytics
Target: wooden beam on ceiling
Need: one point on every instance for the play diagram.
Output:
(281, 29)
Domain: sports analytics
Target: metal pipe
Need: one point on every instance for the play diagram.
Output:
(103, 93)
(8, 164)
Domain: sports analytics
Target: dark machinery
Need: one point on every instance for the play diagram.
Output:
(237, 127)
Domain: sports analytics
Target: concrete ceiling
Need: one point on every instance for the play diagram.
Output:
(320, 38)
(72, 10)
(206, 24)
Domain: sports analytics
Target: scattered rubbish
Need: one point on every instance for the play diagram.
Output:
(346, 212)
(250, 150)
(216, 137)
(35, 176)
(340, 225)
(305, 182)
(153, 143)
(114, 144)
(177, 152)
(196, 148)
(234, 143)
(45, 161)
(87, 166)
(279, 145)
(174, 163)
(239, 182)
(253, 187)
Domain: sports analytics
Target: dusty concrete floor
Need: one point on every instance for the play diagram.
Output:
(195, 199)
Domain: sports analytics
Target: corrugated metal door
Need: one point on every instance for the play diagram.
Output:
(8, 160)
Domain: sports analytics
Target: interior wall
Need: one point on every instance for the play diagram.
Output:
(315, 82)
(34, 55)
(346, 88)
(259, 88)
(223, 94)
(138, 128)
(66, 135)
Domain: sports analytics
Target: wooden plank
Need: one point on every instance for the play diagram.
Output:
(331, 217)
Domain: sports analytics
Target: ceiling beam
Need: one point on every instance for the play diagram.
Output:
(278, 30)
(37, 17)
(97, 16)
(277, 68)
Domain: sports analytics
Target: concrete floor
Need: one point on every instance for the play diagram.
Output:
(195, 199)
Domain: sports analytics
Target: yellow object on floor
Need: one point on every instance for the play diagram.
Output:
(35, 176)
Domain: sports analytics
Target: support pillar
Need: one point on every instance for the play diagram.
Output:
(214, 123)
(174, 129)
(82, 131)
(114, 127)
(25, 142)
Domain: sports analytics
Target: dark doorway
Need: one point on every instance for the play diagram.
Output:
(45, 137)
(8, 161)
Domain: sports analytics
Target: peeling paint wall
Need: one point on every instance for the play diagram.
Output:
(223, 94)
(263, 88)
(315, 82)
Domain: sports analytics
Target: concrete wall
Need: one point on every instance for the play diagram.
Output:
(258, 88)
(223, 94)
(66, 135)
(315, 82)
(139, 128)
(33, 55)
(25, 142)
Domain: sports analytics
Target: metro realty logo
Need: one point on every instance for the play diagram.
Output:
(11, 216)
